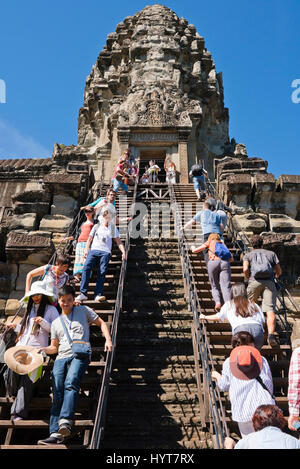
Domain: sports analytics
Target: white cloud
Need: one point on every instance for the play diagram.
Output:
(13, 144)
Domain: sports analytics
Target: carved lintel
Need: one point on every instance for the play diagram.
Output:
(26, 241)
(145, 137)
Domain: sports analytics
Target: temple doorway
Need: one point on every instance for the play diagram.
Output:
(158, 156)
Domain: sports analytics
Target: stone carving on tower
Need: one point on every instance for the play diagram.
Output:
(154, 73)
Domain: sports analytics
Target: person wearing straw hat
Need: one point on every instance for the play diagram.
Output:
(247, 377)
(33, 333)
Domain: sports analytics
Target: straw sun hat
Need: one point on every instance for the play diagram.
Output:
(23, 359)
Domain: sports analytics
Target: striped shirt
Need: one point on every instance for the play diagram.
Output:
(246, 395)
(294, 383)
(268, 438)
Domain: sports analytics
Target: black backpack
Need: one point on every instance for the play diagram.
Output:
(197, 170)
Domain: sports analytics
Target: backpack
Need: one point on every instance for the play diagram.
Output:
(261, 267)
(222, 251)
(197, 170)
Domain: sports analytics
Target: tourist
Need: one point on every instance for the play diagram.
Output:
(82, 237)
(144, 179)
(100, 240)
(210, 223)
(32, 331)
(218, 268)
(133, 171)
(170, 169)
(109, 201)
(153, 171)
(268, 423)
(221, 210)
(294, 389)
(242, 314)
(198, 173)
(247, 377)
(54, 276)
(72, 361)
(260, 266)
(119, 174)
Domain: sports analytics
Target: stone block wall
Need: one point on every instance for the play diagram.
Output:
(264, 205)
(40, 219)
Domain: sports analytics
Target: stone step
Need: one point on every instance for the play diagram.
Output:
(151, 443)
(184, 374)
(160, 360)
(145, 327)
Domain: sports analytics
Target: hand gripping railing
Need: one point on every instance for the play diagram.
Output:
(209, 396)
(102, 401)
(239, 237)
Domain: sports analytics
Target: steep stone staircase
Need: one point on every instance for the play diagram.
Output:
(219, 334)
(24, 434)
(153, 401)
(153, 393)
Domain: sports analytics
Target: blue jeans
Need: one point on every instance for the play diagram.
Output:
(95, 257)
(117, 185)
(67, 374)
(199, 183)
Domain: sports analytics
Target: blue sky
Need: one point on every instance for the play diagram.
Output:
(48, 49)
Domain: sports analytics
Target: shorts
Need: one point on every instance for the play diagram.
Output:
(199, 183)
(265, 288)
(117, 185)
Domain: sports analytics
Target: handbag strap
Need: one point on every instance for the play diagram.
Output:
(66, 330)
(46, 271)
(258, 378)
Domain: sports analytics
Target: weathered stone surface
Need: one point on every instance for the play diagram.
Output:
(250, 222)
(22, 273)
(2, 307)
(287, 248)
(283, 224)
(27, 221)
(11, 307)
(32, 201)
(236, 189)
(21, 245)
(55, 223)
(63, 205)
(8, 276)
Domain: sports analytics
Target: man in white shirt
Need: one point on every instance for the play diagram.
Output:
(100, 240)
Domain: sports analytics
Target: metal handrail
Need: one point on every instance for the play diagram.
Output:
(239, 237)
(241, 240)
(102, 401)
(212, 396)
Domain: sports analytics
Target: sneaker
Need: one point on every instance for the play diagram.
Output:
(51, 440)
(100, 298)
(272, 340)
(65, 430)
(81, 297)
(16, 418)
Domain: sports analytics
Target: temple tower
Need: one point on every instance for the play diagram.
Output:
(154, 88)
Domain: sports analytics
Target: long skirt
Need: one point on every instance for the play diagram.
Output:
(79, 258)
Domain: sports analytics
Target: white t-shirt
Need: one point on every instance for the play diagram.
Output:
(42, 338)
(228, 312)
(102, 237)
